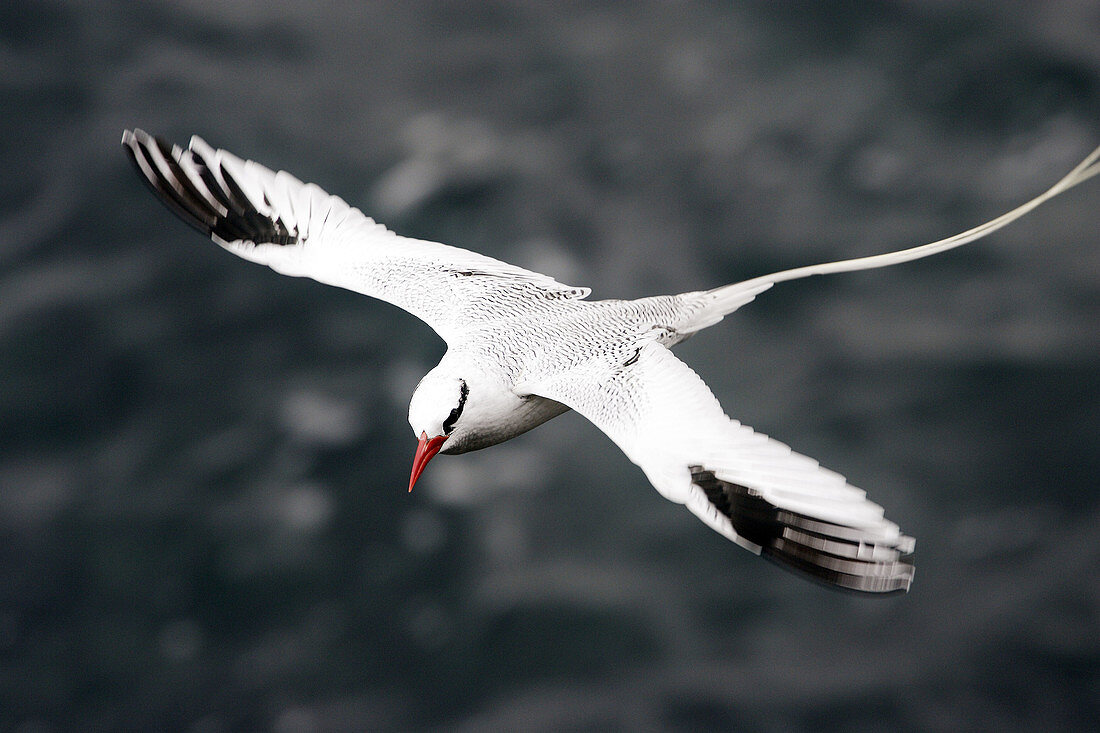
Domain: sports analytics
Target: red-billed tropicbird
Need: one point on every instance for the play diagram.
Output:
(523, 348)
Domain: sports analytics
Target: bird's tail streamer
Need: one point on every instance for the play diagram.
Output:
(728, 298)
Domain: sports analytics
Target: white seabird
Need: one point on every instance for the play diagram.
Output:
(523, 348)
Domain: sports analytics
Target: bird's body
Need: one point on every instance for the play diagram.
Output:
(523, 348)
(526, 347)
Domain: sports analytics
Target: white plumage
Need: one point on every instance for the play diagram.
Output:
(523, 348)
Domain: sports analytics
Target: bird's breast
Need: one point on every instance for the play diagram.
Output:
(529, 412)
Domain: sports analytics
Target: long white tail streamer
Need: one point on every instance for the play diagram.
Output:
(1085, 170)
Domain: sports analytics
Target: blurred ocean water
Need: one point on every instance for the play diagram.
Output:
(203, 525)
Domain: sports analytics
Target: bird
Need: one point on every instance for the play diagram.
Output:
(523, 348)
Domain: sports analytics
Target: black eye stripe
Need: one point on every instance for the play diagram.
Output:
(449, 423)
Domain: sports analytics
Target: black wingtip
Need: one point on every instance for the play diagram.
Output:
(147, 158)
(213, 203)
(841, 557)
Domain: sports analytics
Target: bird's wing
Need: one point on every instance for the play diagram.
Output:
(298, 229)
(754, 490)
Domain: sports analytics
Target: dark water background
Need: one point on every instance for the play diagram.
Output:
(203, 519)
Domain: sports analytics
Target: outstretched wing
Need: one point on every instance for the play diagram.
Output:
(298, 229)
(750, 488)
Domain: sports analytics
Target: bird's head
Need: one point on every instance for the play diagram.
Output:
(455, 408)
(459, 407)
(435, 414)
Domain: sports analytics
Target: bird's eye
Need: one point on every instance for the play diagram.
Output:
(449, 423)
